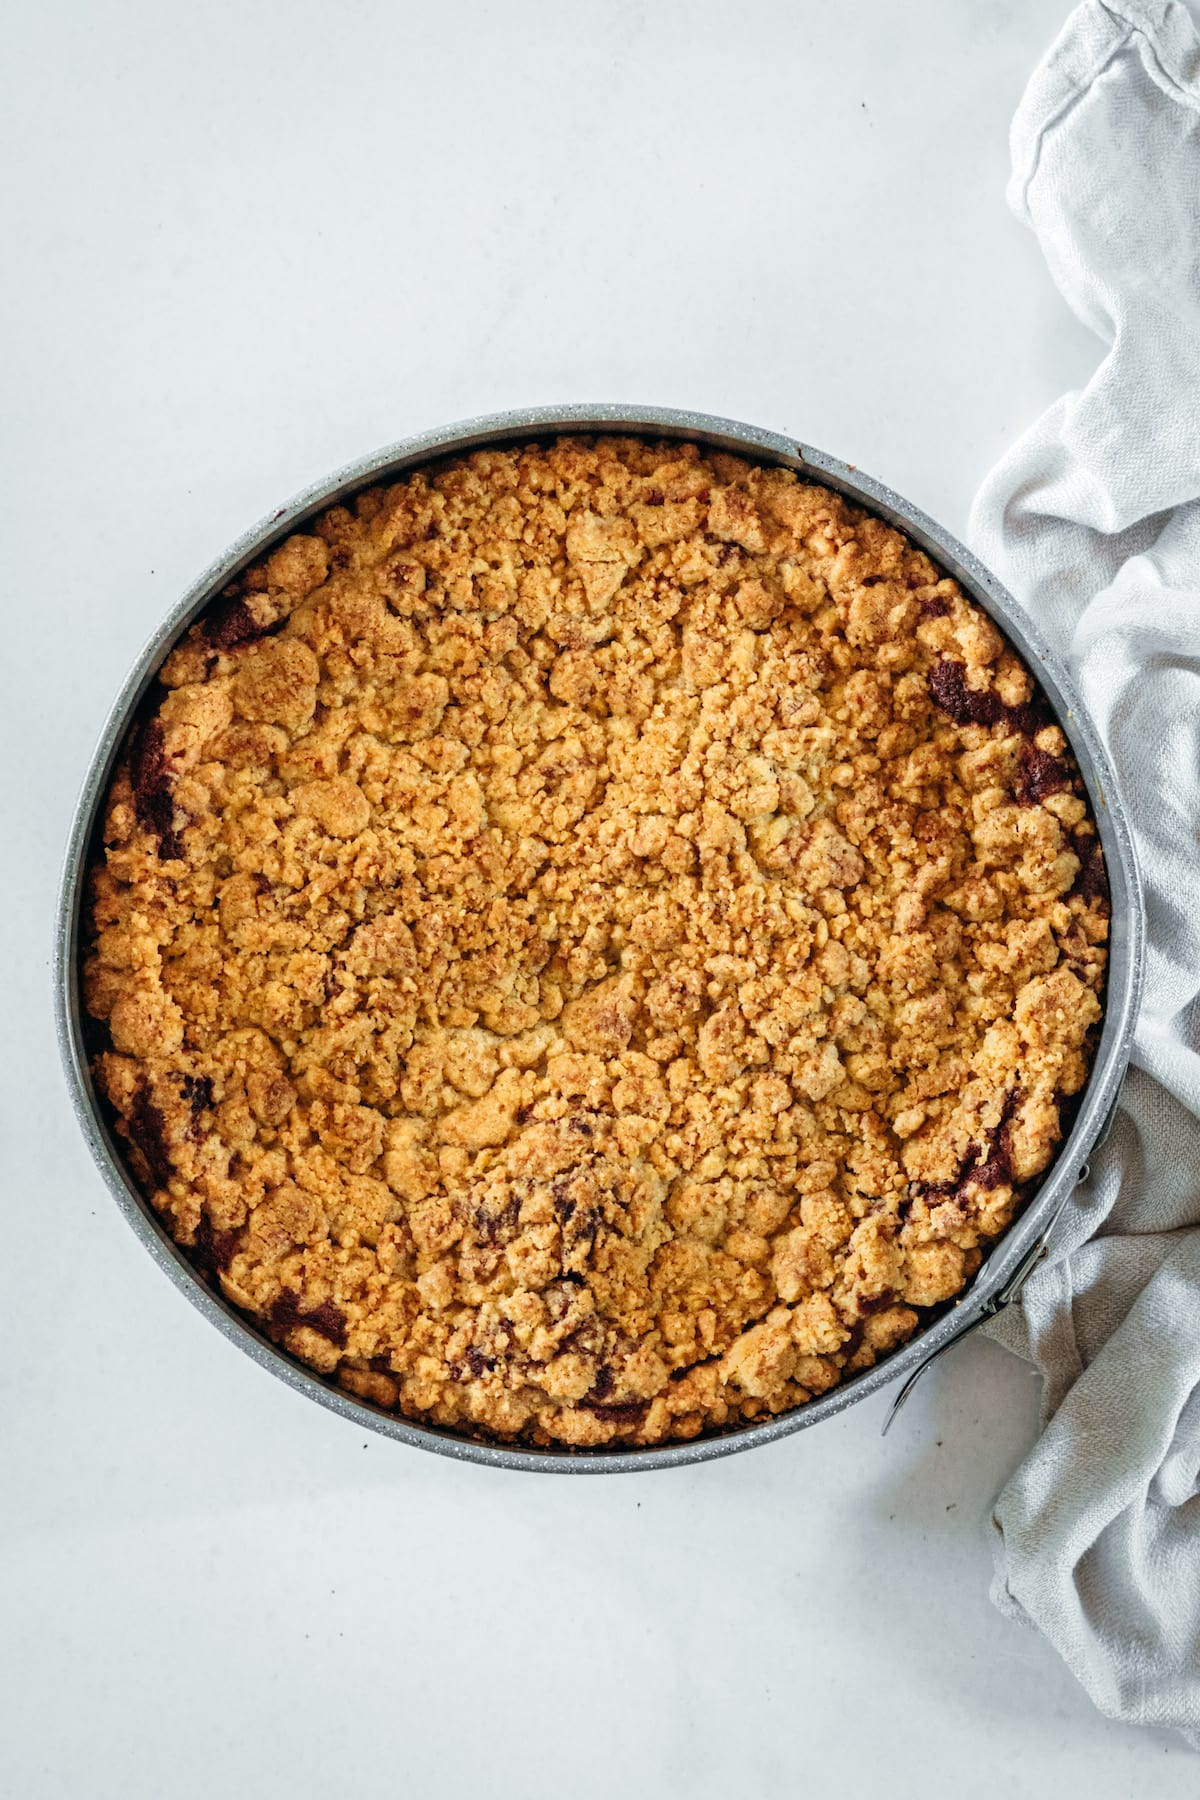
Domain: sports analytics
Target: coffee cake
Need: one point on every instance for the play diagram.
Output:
(592, 941)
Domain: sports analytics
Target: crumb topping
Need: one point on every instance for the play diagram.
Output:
(593, 940)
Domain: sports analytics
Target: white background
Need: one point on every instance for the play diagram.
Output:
(245, 243)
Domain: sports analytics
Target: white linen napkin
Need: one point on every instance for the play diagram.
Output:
(1093, 519)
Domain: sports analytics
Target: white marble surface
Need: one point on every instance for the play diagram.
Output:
(248, 242)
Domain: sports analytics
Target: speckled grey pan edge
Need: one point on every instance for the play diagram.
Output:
(1124, 970)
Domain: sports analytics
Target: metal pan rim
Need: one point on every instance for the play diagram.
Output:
(1126, 949)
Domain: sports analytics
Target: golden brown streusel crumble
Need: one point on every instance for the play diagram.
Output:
(593, 940)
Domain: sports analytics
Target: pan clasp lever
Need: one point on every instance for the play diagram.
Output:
(1008, 1293)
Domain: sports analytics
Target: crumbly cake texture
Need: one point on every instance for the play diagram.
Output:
(592, 941)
